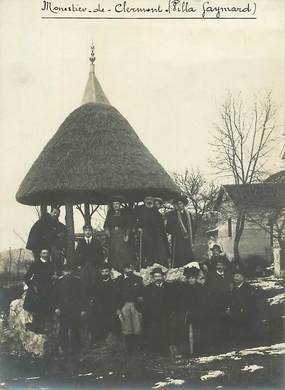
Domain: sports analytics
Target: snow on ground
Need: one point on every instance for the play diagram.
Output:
(212, 375)
(268, 283)
(169, 382)
(252, 368)
(276, 349)
(277, 299)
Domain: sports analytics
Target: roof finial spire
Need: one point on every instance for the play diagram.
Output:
(92, 57)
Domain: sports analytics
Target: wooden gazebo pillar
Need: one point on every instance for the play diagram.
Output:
(69, 220)
(43, 209)
(87, 214)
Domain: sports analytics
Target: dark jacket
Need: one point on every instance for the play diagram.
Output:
(45, 233)
(69, 297)
(220, 291)
(39, 275)
(89, 253)
(243, 304)
(129, 289)
(104, 294)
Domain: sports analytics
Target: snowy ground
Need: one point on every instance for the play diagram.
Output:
(109, 366)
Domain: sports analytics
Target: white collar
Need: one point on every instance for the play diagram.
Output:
(221, 273)
(43, 260)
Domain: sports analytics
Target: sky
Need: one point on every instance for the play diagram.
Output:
(167, 77)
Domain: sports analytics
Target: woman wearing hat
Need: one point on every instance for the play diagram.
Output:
(179, 226)
(217, 255)
(117, 227)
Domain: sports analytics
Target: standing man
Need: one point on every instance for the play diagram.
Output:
(103, 307)
(151, 230)
(130, 291)
(243, 312)
(179, 226)
(70, 303)
(49, 233)
(157, 310)
(220, 284)
(38, 297)
(89, 257)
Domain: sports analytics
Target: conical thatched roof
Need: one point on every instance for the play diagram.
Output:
(94, 155)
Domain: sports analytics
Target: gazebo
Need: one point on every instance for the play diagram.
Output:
(94, 155)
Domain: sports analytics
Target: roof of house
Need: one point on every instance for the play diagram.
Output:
(259, 195)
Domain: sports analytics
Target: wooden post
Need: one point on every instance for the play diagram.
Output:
(43, 209)
(87, 215)
(70, 232)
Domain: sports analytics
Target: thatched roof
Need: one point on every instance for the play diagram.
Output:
(94, 155)
(278, 177)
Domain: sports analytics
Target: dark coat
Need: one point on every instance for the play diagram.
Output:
(154, 240)
(89, 253)
(119, 226)
(243, 304)
(105, 302)
(129, 289)
(70, 297)
(39, 275)
(45, 233)
(220, 290)
(182, 252)
(157, 312)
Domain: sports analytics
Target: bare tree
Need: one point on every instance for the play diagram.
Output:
(242, 143)
(200, 192)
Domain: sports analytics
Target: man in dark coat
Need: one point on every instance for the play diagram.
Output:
(103, 307)
(157, 311)
(220, 284)
(243, 312)
(151, 230)
(49, 233)
(38, 297)
(70, 303)
(195, 307)
(179, 226)
(89, 257)
(130, 291)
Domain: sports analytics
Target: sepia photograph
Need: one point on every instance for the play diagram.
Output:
(142, 217)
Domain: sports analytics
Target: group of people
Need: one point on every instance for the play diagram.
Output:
(212, 305)
(140, 234)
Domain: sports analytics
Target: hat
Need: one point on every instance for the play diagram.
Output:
(158, 200)
(191, 271)
(157, 270)
(181, 198)
(216, 246)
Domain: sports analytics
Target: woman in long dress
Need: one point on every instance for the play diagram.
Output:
(117, 226)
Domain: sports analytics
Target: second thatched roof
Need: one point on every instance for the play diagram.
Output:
(94, 155)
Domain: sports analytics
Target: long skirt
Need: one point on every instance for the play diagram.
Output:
(131, 320)
(181, 252)
(120, 251)
(88, 277)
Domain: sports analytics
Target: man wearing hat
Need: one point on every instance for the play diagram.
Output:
(157, 309)
(48, 232)
(88, 257)
(243, 312)
(220, 284)
(70, 303)
(210, 265)
(104, 304)
(130, 291)
(117, 227)
(179, 226)
(152, 234)
(192, 313)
